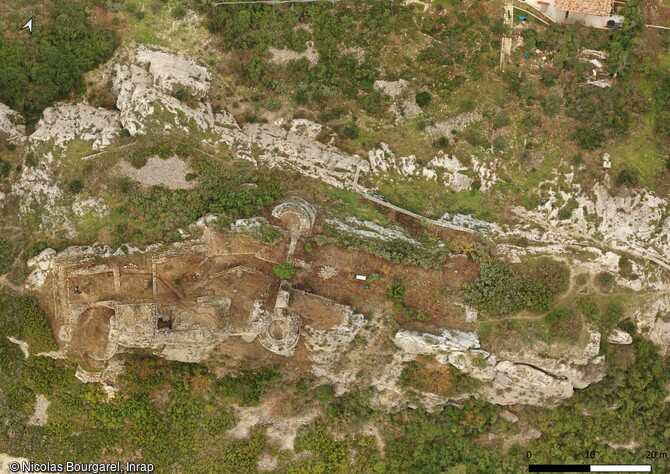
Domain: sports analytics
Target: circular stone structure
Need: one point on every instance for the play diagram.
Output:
(280, 334)
(298, 213)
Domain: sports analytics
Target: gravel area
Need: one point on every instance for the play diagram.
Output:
(282, 56)
(170, 173)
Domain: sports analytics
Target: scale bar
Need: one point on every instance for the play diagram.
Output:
(621, 468)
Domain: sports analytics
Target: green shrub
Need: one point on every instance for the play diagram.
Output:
(163, 150)
(589, 138)
(626, 268)
(76, 186)
(558, 315)
(567, 210)
(138, 160)
(284, 270)
(582, 279)
(396, 291)
(422, 98)
(31, 160)
(247, 388)
(628, 177)
(605, 281)
(324, 393)
(588, 306)
(501, 119)
(23, 319)
(178, 12)
(411, 313)
(6, 255)
(268, 234)
(499, 144)
(350, 131)
(5, 168)
(442, 142)
(614, 312)
(552, 273)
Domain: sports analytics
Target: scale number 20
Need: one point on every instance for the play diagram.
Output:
(656, 455)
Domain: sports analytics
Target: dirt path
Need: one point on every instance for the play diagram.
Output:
(6, 283)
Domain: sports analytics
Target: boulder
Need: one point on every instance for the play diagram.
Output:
(619, 337)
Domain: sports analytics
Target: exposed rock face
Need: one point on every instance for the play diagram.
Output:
(106, 377)
(63, 123)
(509, 416)
(6, 460)
(456, 123)
(635, 221)
(448, 169)
(279, 147)
(148, 83)
(306, 128)
(619, 337)
(39, 416)
(145, 86)
(391, 88)
(370, 230)
(11, 124)
(330, 347)
(170, 71)
(23, 345)
(450, 340)
(37, 186)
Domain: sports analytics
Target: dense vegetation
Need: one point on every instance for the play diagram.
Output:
(156, 214)
(49, 65)
(502, 288)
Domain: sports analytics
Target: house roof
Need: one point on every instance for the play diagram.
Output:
(587, 7)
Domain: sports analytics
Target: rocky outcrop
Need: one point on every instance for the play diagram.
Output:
(11, 125)
(635, 221)
(63, 123)
(170, 71)
(619, 337)
(287, 149)
(370, 230)
(508, 378)
(40, 416)
(447, 168)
